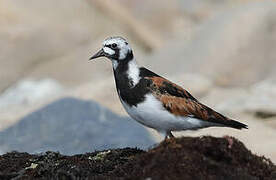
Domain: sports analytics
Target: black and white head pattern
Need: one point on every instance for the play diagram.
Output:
(116, 48)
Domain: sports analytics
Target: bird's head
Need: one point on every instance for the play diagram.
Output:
(115, 49)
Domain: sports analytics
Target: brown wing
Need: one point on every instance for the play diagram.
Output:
(181, 103)
(162, 86)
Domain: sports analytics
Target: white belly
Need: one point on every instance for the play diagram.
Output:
(151, 113)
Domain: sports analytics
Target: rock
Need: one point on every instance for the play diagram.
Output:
(202, 10)
(257, 99)
(183, 158)
(271, 122)
(41, 32)
(227, 100)
(25, 97)
(94, 90)
(234, 47)
(262, 98)
(73, 126)
(199, 158)
(28, 92)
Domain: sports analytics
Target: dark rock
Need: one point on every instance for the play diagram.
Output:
(73, 126)
(183, 158)
(199, 158)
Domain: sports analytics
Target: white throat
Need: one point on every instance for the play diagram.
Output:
(133, 72)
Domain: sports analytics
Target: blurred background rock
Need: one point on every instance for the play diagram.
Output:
(222, 51)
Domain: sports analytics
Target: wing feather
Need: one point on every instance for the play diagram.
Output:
(180, 102)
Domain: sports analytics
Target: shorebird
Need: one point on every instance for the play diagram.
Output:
(153, 100)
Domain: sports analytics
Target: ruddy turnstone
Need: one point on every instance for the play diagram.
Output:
(153, 100)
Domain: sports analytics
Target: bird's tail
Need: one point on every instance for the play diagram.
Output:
(236, 124)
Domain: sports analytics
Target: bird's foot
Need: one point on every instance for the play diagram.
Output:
(169, 136)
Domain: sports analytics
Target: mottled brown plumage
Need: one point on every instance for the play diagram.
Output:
(180, 102)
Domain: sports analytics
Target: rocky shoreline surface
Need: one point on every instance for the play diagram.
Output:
(203, 157)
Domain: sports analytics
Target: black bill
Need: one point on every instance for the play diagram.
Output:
(100, 53)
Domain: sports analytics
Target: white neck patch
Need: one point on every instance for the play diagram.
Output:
(133, 72)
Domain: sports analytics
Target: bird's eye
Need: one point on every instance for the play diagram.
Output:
(114, 45)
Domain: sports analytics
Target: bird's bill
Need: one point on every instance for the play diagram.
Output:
(100, 53)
